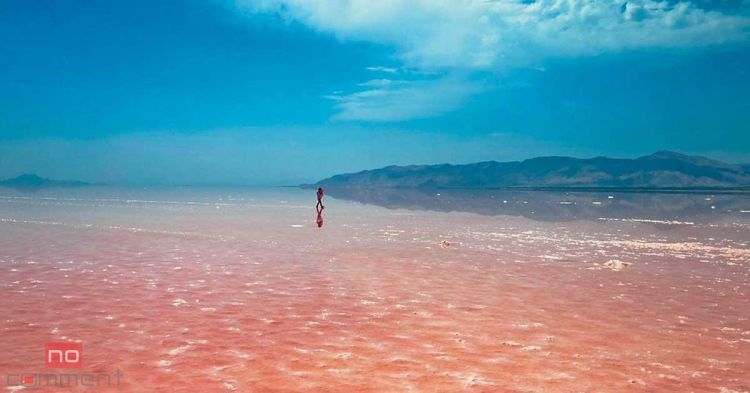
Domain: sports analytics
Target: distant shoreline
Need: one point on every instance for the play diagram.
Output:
(643, 190)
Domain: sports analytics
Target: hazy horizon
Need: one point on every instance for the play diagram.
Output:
(292, 183)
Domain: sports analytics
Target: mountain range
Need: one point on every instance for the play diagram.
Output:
(34, 181)
(662, 169)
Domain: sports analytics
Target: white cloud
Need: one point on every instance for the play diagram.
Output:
(388, 70)
(443, 36)
(389, 100)
(377, 83)
(486, 34)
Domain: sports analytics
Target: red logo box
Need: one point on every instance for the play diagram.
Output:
(63, 355)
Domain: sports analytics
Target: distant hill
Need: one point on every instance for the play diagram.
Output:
(663, 169)
(34, 181)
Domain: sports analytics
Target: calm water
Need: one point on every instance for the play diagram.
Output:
(210, 289)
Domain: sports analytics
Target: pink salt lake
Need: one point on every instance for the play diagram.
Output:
(220, 290)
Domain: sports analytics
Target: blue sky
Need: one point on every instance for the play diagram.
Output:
(281, 92)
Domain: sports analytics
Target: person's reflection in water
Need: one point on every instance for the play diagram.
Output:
(319, 220)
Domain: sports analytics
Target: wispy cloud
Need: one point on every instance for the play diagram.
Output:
(377, 83)
(389, 100)
(483, 35)
(388, 70)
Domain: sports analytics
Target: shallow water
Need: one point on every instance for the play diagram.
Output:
(209, 289)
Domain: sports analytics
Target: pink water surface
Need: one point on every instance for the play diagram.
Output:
(238, 290)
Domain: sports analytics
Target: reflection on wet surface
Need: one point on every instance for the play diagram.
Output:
(240, 290)
(560, 206)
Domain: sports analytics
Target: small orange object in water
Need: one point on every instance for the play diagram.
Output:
(445, 244)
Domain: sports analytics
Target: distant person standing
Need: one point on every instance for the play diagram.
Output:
(320, 199)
